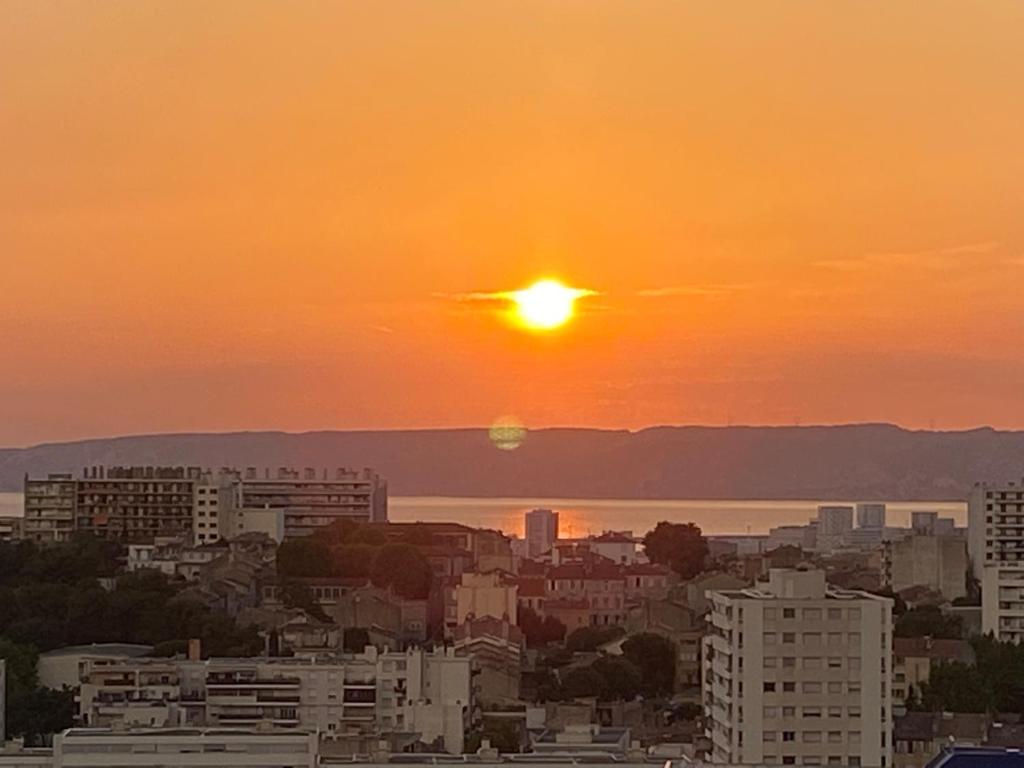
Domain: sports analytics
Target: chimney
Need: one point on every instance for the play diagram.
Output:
(195, 651)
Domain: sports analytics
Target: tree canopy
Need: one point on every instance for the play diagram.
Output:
(929, 621)
(680, 546)
(655, 658)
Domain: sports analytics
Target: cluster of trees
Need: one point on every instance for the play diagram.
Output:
(680, 546)
(645, 668)
(928, 621)
(994, 684)
(52, 597)
(540, 631)
(349, 549)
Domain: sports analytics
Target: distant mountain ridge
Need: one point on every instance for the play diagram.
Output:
(860, 461)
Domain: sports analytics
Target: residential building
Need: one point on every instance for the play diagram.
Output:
(803, 537)
(11, 528)
(496, 648)
(62, 667)
(407, 696)
(798, 673)
(602, 585)
(309, 499)
(184, 748)
(938, 563)
(49, 508)
(541, 531)
(834, 526)
(995, 517)
(136, 502)
(208, 518)
(931, 524)
(920, 736)
(871, 515)
(680, 624)
(481, 595)
(914, 658)
(586, 740)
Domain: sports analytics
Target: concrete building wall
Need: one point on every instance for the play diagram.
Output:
(541, 531)
(799, 672)
(480, 595)
(937, 562)
(995, 536)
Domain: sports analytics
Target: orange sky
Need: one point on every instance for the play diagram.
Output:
(255, 214)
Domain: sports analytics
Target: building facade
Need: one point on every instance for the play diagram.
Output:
(406, 697)
(834, 526)
(995, 538)
(541, 531)
(938, 563)
(797, 673)
(49, 508)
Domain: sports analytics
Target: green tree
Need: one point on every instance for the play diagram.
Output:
(582, 682)
(355, 639)
(589, 638)
(540, 631)
(404, 569)
(622, 679)
(308, 556)
(929, 621)
(295, 594)
(655, 657)
(40, 713)
(680, 546)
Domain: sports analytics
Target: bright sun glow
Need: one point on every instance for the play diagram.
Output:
(546, 304)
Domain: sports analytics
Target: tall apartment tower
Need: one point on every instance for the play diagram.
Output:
(799, 673)
(541, 531)
(834, 526)
(995, 543)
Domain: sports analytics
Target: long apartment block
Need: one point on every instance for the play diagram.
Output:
(139, 503)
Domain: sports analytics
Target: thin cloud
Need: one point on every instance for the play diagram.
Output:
(936, 258)
(710, 289)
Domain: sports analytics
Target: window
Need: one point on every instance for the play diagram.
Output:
(854, 614)
(812, 638)
(855, 638)
(812, 614)
(835, 687)
(835, 638)
(770, 613)
(812, 737)
(769, 662)
(769, 735)
(789, 637)
(835, 614)
(789, 711)
(788, 687)
(812, 662)
(788, 662)
(835, 711)
(769, 687)
(854, 712)
(788, 760)
(789, 735)
(835, 737)
(854, 662)
(853, 686)
(812, 711)
(812, 687)
(769, 638)
(789, 613)
(835, 662)
(771, 712)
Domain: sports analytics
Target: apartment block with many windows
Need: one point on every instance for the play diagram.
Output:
(799, 673)
(995, 540)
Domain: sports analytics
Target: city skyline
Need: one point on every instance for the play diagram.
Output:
(265, 217)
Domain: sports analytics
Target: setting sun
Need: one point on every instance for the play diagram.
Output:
(546, 304)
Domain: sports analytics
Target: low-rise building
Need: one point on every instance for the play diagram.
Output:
(496, 648)
(403, 697)
(914, 658)
(920, 736)
(184, 748)
(481, 595)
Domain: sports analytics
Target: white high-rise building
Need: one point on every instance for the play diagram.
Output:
(995, 542)
(834, 526)
(799, 673)
(871, 515)
(541, 531)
